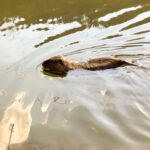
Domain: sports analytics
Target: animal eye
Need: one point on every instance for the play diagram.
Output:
(61, 61)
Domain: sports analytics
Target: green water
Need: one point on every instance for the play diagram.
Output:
(101, 110)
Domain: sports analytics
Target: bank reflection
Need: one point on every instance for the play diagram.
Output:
(16, 121)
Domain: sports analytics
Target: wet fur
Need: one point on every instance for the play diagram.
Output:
(60, 65)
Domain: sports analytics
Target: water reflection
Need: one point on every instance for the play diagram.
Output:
(67, 11)
(18, 117)
(99, 22)
(116, 14)
(99, 110)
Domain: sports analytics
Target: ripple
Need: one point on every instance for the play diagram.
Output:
(118, 13)
(47, 112)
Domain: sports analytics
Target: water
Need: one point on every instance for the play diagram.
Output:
(102, 110)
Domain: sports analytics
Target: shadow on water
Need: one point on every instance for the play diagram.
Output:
(53, 75)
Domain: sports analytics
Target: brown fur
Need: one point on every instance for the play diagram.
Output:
(60, 65)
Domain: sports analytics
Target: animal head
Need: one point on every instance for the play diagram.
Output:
(55, 65)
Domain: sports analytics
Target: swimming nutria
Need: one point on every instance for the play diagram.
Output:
(60, 65)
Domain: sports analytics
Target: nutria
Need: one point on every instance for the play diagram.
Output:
(59, 65)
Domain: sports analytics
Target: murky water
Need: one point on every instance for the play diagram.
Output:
(102, 110)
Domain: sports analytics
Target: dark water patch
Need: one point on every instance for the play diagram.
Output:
(140, 43)
(126, 46)
(74, 43)
(122, 16)
(35, 10)
(61, 35)
(142, 32)
(136, 39)
(112, 36)
(147, 20)
(41, 29)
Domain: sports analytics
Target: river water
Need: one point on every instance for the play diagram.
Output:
(101, 110)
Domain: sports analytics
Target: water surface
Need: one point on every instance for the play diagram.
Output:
(102, 110)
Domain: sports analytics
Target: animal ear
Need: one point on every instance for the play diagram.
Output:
(61, 56)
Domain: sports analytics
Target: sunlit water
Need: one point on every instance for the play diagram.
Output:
(101, 110)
